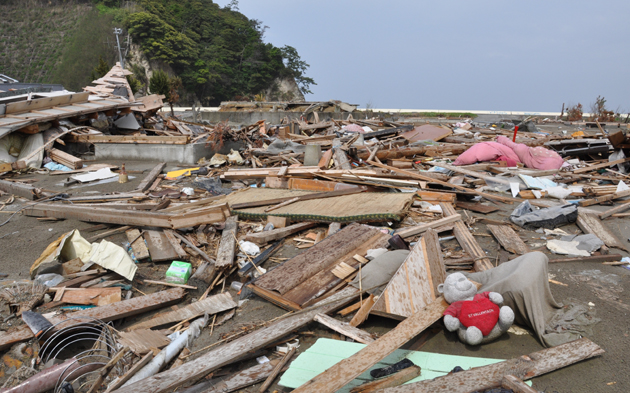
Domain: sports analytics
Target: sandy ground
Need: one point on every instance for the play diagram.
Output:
(22, 240)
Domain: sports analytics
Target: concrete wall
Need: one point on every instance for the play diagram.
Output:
(184, 154)
(271, 117)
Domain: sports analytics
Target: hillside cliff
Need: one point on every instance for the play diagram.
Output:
(217, 52)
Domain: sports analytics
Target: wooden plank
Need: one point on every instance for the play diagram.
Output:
(592, 258)
(614, 210)
(110, 312)
(312, 185)
(22, 190)
(364, 311)
(590, 223)
(412, 287)
(46, 102)
(209, 215)
(229, 352)
(159, 246)
(227, 246)
(467, 241)
(150, 177)
(304, 171)
(433, 196)
(93, 296)
(175, 243)
(477, 207)
(280, 233)
(418, 229)
(516, 385)
(211, 305)
(341, 159)
(276, 370)
(142, 341)
(66, 159)
(604, 198)
(319, 257)
(243, 379)
(348, 369)
(600, 166)
(415, 175)
(396, 379)
(274, 298)
(433, 256)
(138, 246)
(344, 328)
(105, 234)
(508, 239)
(491, 376)
(426, 132)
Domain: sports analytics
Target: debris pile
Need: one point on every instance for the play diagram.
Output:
(332, 221)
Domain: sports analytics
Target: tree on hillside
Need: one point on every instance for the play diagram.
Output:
(296, 68)
(159, 84)
(101, 69)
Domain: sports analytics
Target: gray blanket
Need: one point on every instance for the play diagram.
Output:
(524, 284)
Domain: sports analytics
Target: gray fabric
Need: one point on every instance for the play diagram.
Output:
(587, 242)
(550, 217)
(524, 284)
(380, 270)
(278, 146)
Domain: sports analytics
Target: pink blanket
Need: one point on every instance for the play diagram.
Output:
(532, 157)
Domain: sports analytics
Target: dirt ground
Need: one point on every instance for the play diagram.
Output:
(23, 239)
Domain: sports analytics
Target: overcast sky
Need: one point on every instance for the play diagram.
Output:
(459, 54)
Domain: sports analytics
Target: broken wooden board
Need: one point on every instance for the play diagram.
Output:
(174, 239)
(279, 233)
(418, 229)
(310, 273)
(93, 296)
(433, 196)
(605, 198)
(138, 246)
(66, 159)
(344, 328)
(142, 341)
(477, 207)
(206, 215)
(159, 246)
(590, 223)
(239, 380)
(337, 376)
(111, 312)
(227, 246)
(148, 180)
(617, 209)
(23, 190)
(426, 132)
(508, 239)
(467, 241)
(227, 353)
(491, 376)
(414, 285)
(211, 305)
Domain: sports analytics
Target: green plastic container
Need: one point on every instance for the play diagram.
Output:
(179, 272)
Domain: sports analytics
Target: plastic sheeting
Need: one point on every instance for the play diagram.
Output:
(16, 146)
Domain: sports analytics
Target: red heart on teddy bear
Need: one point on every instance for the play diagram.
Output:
(480, 313)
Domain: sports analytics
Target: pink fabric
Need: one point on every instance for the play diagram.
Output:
(533, 157)
(508, 161)
(485, 151)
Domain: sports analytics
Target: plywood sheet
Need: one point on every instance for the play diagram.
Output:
(159, 246)
(426, 132)
(141, 341)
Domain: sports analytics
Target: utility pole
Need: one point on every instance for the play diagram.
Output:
(118, 31)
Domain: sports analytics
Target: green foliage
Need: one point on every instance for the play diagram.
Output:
(218, 52)
(159, 84)
(83, 50)
(101, 69)
(296, 68)
(134, 83)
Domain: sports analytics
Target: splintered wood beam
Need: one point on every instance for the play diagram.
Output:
(605, 198)
(277, 234)
(110, 312)
(418, 229)
(590, 223)
(22, 190)
(150, 178)
(227, 246)
(228, 353)
(339, 375)
(614, 210)
(344, 328)
(508, 239)
(491, 376)
(467, 241)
